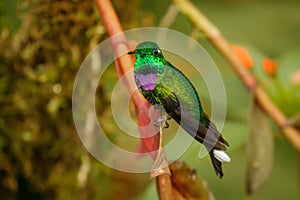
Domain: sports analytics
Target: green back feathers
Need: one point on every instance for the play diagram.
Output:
(171, 82)
(180, 85)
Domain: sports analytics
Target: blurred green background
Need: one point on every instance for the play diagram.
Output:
(43, 43)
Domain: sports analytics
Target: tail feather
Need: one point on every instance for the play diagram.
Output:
(211, 138)
(215, 144)
(207, 133)
(212, 127)
(216, 164)
(216, 153)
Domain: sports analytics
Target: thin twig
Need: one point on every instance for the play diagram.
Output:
(160, 165)
(162, 171)
(216, 38)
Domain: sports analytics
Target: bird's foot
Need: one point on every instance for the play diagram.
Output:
(162, 121)
(164, 116)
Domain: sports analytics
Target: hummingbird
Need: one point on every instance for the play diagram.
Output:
(165, 86)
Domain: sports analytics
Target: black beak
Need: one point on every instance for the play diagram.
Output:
(131, 52)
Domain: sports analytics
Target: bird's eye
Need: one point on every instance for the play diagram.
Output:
(155, 52)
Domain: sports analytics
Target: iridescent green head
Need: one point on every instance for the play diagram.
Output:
(148, 54)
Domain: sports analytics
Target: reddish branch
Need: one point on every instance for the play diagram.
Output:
(124, 64)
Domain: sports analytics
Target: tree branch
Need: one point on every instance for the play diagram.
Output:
(216, 38)
(164, 187)
(124, 64)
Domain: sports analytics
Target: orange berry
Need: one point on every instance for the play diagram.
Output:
(243, 55)
(269, 66)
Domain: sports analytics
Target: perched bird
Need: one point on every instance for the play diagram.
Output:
(164, 85)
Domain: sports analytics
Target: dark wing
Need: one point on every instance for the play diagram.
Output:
(184, 106)
(210, 137)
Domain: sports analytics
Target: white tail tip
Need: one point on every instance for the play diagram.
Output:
(221, 156)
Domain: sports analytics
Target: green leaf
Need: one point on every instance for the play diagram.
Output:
(259, 149)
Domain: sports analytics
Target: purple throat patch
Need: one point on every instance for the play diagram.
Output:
(146, 81)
